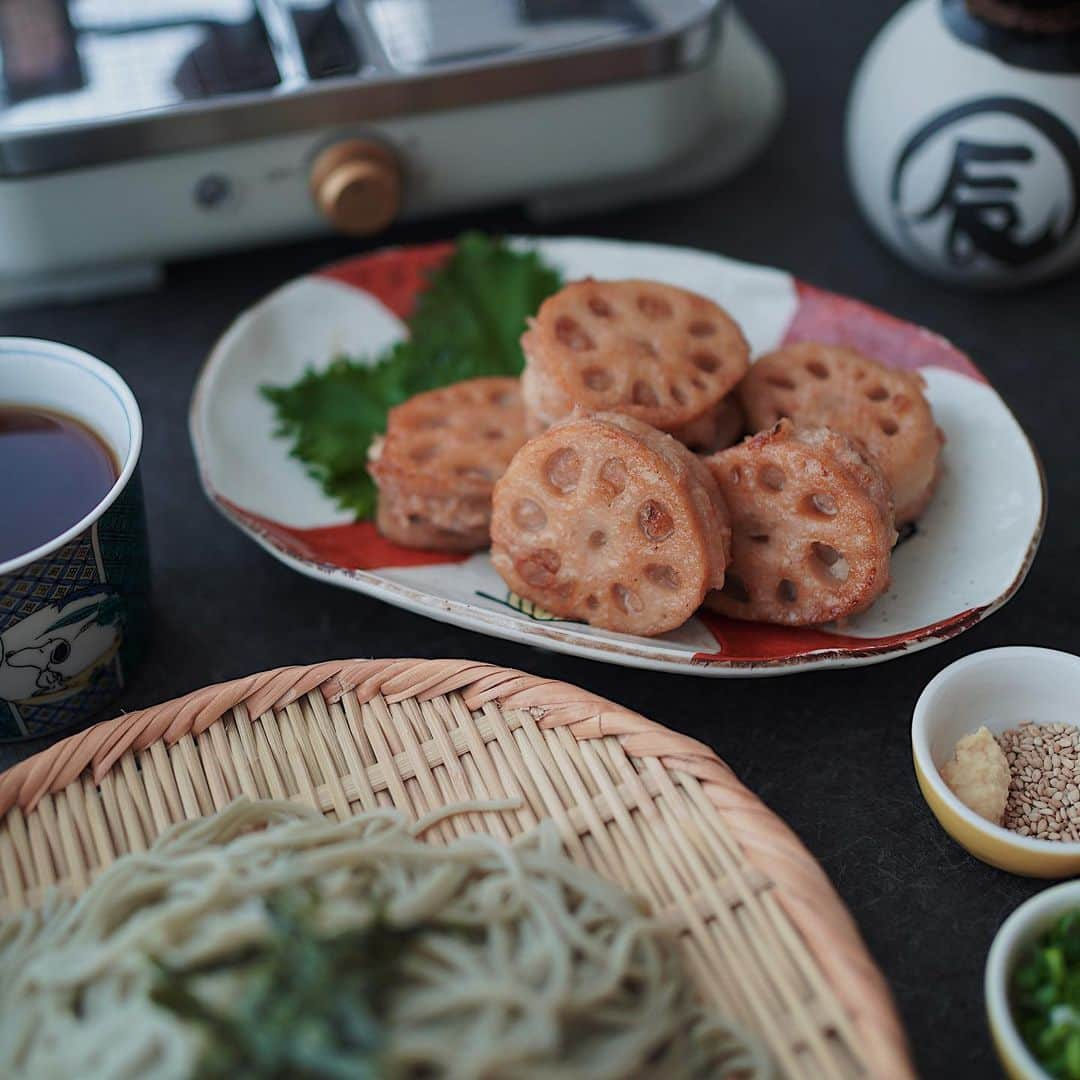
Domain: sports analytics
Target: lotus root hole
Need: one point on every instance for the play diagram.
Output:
(772, 477)
(877, 393)
(596, 378)
(781, 382)
(822, 503)
(817, 369)
(889, 425)
(493, 434)
(655, 521)
(597, 539)
(572, 335)
(529, 515)
(417, 519)
(704, 361)
(539, 568)
(701, 328)
(786, 591)
(697, 383)
(662, 575)
(591, 602)
(600, 308)
(735, 589)
(644, 394)
(626, 599)
(501, 398)
(563, 470)
(612, 479)
(424, 453)
(653, 307)
(830, 561)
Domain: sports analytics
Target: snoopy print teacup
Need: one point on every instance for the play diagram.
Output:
(74, 607)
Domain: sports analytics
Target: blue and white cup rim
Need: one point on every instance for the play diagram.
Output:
(16, 346)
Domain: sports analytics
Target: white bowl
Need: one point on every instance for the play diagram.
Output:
(1016, 933)
(998, 688)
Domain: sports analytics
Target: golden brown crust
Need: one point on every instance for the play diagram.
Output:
(656, 352)
(818, 385)
(437, 465)
(433, 524)
(458, 438)
(812, 527)
(608, 520)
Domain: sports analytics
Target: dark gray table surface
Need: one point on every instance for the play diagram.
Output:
(827, 751)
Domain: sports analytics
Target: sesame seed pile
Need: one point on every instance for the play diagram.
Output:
(1044, 790)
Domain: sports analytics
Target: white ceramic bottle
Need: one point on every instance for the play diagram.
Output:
(963, 138)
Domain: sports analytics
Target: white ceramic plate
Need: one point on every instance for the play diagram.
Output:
(968, 555)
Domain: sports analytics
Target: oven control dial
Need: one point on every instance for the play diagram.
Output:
(356, 184)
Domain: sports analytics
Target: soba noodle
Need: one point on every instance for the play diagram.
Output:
(560, 975)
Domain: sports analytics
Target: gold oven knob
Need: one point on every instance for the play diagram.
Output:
(357, 186)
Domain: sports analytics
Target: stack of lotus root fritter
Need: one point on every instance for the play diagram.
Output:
(614, 484)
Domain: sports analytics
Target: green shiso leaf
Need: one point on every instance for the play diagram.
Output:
(466, 324)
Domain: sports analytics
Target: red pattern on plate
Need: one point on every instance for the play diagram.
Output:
(750, 642)
(395, 277)
(839, 320)
(354, 546)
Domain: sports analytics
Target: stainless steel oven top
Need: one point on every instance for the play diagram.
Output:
(91, 81)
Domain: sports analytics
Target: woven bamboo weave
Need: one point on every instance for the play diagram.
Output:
(766, 936)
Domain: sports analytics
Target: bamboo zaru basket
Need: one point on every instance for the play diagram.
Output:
(767, 938)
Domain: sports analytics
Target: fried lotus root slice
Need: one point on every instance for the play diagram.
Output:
(437, 465)
(434, 524)
(819, 385)
(608, 520)
(812, 527)
(715, 430)
(655, 352)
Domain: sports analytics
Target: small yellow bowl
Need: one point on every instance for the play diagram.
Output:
(998, 688)
(1016, 933)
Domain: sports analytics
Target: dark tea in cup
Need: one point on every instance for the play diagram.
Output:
(74, 569)
(53, 471)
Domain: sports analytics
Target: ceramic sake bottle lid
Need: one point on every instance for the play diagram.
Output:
(963, 138)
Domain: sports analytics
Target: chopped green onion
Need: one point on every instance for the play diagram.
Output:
(1045, 995)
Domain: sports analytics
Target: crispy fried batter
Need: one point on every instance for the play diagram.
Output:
(884, 408)
(608, 520)
(438, 463)
(433, 522)
(812, 527)
(655, 352)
